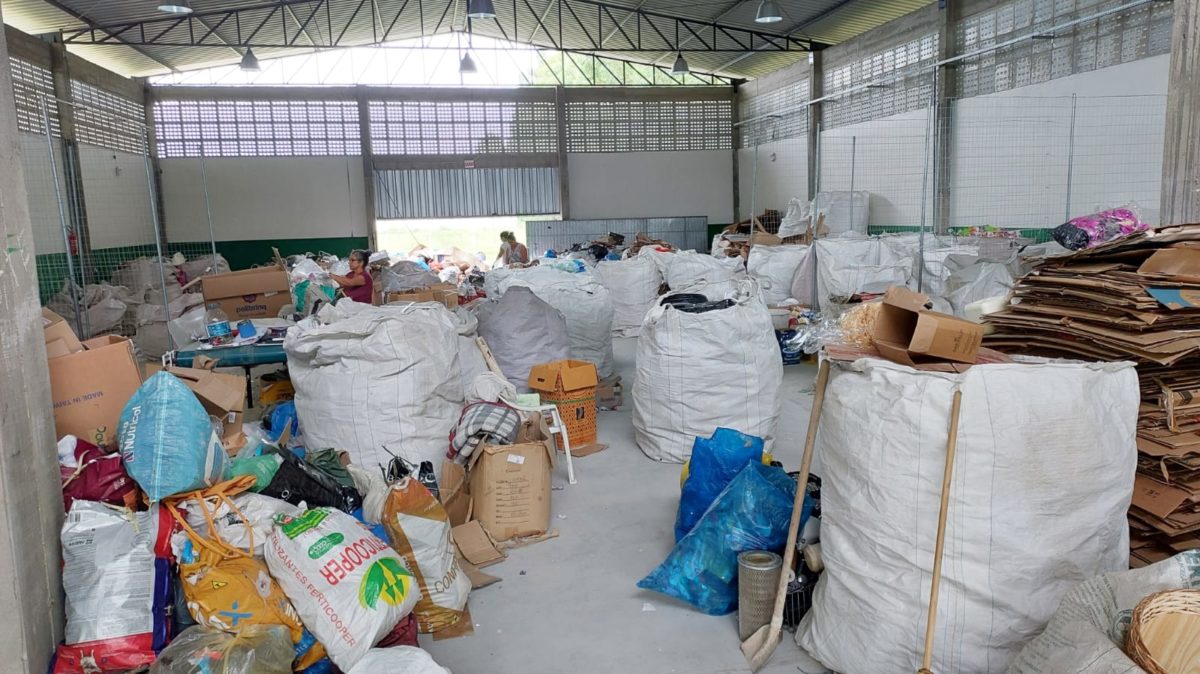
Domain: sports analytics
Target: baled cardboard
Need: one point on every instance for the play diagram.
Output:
(1178, 264)
(89, 389)
(563, 375)
(510, 484)
(476, 546)
(252, 293)
(906, 332)
(55, 328)
(222, 397)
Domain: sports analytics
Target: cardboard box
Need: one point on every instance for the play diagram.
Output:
(906, 332)
(223, 396)
(510, 484)
(443, 293)
(253, 293)
(563, 375)
(89, 389)
(60, 338)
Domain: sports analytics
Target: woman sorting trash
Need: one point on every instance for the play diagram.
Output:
(511, 251)
(357, 285)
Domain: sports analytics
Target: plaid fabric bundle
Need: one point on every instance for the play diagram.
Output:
(482, 422)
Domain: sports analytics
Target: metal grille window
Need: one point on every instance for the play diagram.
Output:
(189, 128)
(787, 101)
(31, 84)
(905, 68)
(462, 127)
(1108, 41)
(649, 126)
(107, 120)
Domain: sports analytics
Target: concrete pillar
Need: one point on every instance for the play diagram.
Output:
(1181, 150)
(816, 89)
(368, 166)
(30, 492)
(736, 132)
(564, 175)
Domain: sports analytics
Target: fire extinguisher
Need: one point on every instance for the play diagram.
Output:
(73, 243)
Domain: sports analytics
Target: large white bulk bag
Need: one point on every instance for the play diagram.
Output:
(662, 259)
(850, 265)
(975, 279)
(1042, 481)
(633, 286)
(697, 372)
(521, 331)
(689, 268)
(377, 376)
(585, 304)
(775, 268)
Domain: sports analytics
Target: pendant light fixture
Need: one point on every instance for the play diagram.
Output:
(680, 67)
(250, 62)
(467, 65)
(176, 7)
(480, 9)
(768, 12)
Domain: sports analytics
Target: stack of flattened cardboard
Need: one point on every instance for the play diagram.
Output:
(1137, 299)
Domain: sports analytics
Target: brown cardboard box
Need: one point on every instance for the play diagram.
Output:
(57, 329)
(444, 293)
(510, 484)
(90, 388)
(455, 492)
(906, 332)
(253, 293)
(222, 396)
(563, 375)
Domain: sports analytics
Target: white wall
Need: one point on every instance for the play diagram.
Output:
(782, 175)
(652, 184)
(265, 198)
(1012, 149)
(1010, 155)
(117, 196)
(39, 190)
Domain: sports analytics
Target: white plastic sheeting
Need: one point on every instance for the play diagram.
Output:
(697, 372)
(775, 268)
(633, 286)
(583, 301)
(377, 376)
(1041, 485)
(850, 265)
(844, 211)
(1089, 628)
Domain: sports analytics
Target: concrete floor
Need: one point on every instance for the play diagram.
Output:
(571, 604)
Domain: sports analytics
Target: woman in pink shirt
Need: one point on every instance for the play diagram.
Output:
(357, 285)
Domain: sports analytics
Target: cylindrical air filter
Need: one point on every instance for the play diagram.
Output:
(758, 578)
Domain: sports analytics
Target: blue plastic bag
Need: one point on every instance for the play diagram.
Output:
(167, 441)
(715, 461)
(752, 513)
(283, 415)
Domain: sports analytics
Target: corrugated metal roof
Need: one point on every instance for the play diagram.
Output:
(826, 21)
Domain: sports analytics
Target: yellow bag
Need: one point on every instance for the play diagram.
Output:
(228, 588)
(419, 530)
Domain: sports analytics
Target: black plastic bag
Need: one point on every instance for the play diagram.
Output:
(297, 480)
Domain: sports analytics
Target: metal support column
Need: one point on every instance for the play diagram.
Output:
(736, 131)
(151, 139)
(71, 165)
(816, 90)
(564, 177)
(1181, 150)
(945, 83)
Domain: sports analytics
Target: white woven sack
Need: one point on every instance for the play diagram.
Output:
(1042, 480)
(378, 376)
(697, 372)
(633, 286)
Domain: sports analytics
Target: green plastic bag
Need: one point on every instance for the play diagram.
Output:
(263, 468)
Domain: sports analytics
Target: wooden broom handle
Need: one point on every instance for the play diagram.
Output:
(810, 439)
(947, 474)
